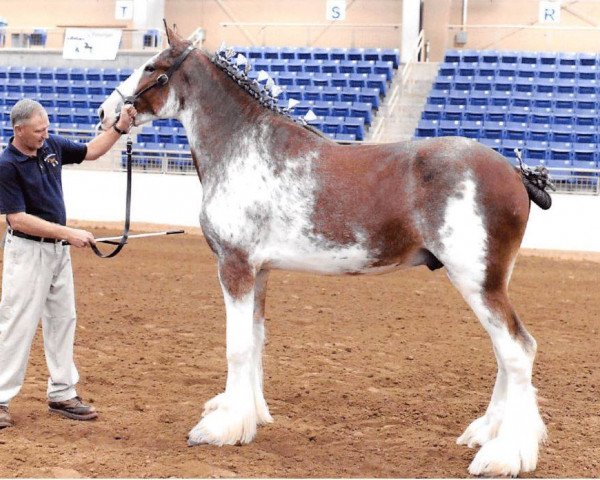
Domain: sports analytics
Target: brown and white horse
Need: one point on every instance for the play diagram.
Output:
(276, 195)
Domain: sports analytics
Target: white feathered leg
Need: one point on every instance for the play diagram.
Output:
(230, 418)
(260, 292)
(483, 429)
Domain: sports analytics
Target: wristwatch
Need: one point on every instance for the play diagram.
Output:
(118, 130)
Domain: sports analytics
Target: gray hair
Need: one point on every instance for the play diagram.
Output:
(23, 110)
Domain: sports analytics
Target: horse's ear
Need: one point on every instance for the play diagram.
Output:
(172, 36)
(168, 31)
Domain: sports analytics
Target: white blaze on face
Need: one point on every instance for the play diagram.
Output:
(112, 105)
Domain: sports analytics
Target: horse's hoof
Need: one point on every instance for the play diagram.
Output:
(501, 458)
(479, 432)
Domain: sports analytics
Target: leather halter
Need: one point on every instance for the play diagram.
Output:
(161, 80)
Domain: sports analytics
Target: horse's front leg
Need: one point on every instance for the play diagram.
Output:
(260, 293)
(230, 418)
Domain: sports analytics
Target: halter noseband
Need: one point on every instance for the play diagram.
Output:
(161, 80)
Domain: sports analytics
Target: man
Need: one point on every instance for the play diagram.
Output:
(37, 279)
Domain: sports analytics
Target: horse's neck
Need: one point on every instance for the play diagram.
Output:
(219, 117)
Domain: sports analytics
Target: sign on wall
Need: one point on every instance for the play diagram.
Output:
(549, 11)
(91, 43)
(124, 9)
(336, 10)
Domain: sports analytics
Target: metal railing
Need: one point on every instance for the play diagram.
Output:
(578, 181)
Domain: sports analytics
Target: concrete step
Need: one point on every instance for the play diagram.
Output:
(399, 121)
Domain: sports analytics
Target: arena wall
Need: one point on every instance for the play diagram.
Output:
(441, 21)
(570, 224)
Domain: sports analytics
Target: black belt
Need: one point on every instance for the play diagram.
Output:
(35, 238)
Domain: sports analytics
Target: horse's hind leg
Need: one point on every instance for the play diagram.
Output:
(231, 417)
(511, 429)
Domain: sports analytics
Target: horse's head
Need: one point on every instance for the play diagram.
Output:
(150, 87)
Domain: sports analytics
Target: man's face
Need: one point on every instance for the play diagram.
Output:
(33, 132)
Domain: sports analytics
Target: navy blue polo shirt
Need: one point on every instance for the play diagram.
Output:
(34, 184)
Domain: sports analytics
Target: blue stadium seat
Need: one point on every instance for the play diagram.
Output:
(330, 66)
(341, 109)
(322, 108)
(585, 156)
(493, 143)
(475, 113)
(340, 80)
(333, 94)
(345, 137)
(471, 129)
(427, 128)
(363, 110)
(354, 126)
(563, 134)
(123, 74)
(493, 130)
(508, 148)
(320, 79)
(303, 79)
(454, 112)
(333, 124)
(355, 54)
(286, 79)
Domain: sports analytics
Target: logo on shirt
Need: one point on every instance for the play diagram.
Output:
(51, 159)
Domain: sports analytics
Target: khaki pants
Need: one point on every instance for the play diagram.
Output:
(37, 282)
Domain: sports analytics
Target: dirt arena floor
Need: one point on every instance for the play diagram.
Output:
(365, 376)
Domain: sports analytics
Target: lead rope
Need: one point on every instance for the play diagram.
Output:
(125, 235)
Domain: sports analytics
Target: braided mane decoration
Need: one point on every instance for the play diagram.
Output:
(237, 69)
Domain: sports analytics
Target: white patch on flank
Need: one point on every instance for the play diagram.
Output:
(464, 239)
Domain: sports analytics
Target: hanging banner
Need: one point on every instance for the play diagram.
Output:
(91, 43)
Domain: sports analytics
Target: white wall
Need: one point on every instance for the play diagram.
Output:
(155, 198)
(571, 224)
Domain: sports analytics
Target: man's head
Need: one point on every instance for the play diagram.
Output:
(30, 125)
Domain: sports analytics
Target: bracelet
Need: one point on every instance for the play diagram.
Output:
(118, 130)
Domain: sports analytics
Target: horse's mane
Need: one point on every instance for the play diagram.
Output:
(226, 61)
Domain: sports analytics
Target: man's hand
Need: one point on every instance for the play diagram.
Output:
(80, 238)
(126, 117)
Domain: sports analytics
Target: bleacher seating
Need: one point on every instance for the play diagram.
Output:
(545, 104)
(343, 87)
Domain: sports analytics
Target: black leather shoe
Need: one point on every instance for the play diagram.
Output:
(5, 420)
(74, 409)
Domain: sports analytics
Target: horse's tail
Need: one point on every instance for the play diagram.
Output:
(536, 181)
(537, 193)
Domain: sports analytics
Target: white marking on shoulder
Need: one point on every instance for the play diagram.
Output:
(269, 215)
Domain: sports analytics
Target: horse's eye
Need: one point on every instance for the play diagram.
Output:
(149, 68)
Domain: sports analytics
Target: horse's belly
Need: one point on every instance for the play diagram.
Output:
(334, 260)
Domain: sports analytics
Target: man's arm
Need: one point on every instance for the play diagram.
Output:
(103, 142)
(32, 225)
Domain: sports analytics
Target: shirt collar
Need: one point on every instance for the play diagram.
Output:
(18, 154)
